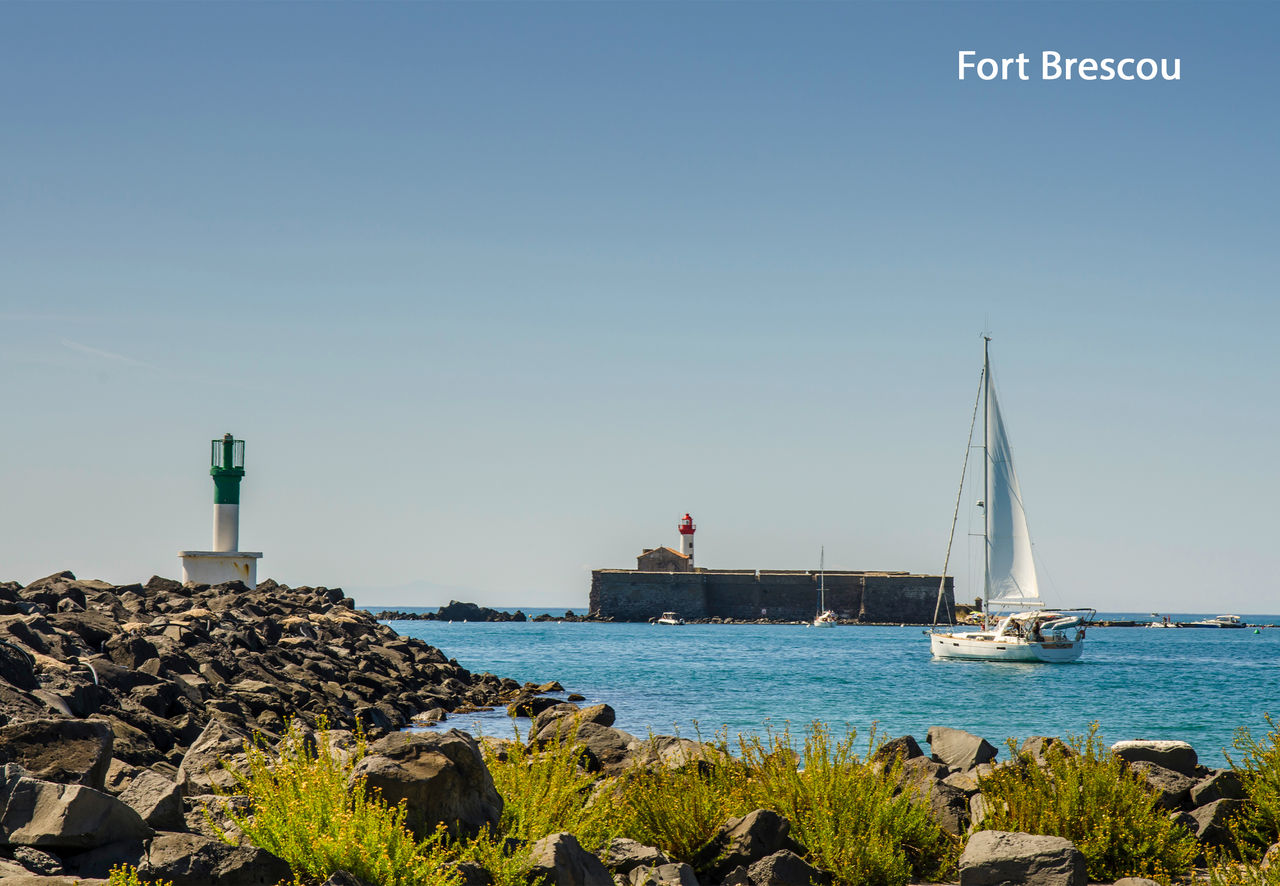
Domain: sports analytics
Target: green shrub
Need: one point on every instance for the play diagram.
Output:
(546, 791)
(1094, 800)
(1258, 824)
(303, 810)
(127, 875)
(848, 814)
(679, 810)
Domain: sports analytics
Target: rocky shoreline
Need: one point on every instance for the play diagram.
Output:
(469, 612)
(457, 611)
(118, 703)
(116, 699)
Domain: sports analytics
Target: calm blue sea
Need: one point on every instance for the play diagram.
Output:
(1195, 685)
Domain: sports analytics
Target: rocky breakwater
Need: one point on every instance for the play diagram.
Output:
(455, 611)
(117, 703)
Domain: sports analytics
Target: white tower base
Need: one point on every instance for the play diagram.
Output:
(215, 567)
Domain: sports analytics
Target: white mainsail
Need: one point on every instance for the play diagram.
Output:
(1010, 569)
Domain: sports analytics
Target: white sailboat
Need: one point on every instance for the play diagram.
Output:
(825, 618)
(1027, 632)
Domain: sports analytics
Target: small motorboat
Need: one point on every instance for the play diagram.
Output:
(1218, 621)
(669, 618)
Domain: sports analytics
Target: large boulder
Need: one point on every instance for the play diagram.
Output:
(1176, 755)
(441, 777)
(1001, 858)
(1173, 787)
(202, 770)
(188, 860)
(65, 751)
(1037, 748)
(47, 815)
(741, 842)
(604, 749)
(904, 747)
(561, 861)
(785, 868)
(531, 706)
(194, 860)
(157, 799)
(958, 749)
(555, 712)
(17, 667)
(600, 714)
(1213, 821)
(1224, 784)
(948, 805)
(673, 752)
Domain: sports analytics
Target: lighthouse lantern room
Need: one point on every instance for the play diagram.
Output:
(224, 562)
(687, 529)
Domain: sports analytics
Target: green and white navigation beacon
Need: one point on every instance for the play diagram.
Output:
(224, 562)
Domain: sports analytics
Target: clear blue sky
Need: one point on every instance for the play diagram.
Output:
(496, 292)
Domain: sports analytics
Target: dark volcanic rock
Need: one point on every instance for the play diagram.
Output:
(455, 611)
(117, 700)
(66, 751)
(563, 862)
(1224, 784)
(1174, 788)
(17, 667)
(531, 706)
(47, 815)
(741, 842)
(155, 664)
(441, 777)
(1176, 755)
(193, 860)
(997, 858)
(785, 868)
(187, 860)
(202, 766)
(958, 749)
(1213, 821)
(157, 799)
(604, 749)
(904, 747)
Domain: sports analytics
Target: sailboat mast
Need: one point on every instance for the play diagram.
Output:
(986, 493)
(822, 577)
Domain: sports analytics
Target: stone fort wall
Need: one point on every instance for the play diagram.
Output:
(631, 595)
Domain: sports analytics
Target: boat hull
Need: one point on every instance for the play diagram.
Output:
(973, 648)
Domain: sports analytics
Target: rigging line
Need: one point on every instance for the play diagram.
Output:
(955, 515)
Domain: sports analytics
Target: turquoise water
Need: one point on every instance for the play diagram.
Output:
(1194, 685)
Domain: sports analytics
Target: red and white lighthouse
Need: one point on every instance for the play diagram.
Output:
(687, 528)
